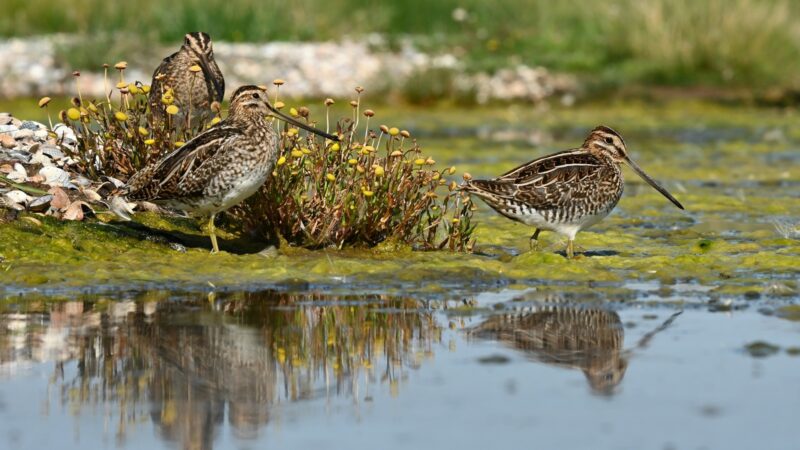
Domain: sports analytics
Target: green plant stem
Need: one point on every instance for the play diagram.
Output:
(22, 187)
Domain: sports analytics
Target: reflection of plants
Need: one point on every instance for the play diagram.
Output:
(187, 365)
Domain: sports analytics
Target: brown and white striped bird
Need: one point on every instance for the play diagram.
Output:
(194, 91)
(565, 192)
(221, 166)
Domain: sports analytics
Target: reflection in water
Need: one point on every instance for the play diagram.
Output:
(589, 339)
(192, 364)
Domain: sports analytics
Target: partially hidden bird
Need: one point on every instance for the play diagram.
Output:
(190, 89)
(564, 192)
(220, 167)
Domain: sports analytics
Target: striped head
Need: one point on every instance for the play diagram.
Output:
(199, 43)
(251, 101)
(606, 142)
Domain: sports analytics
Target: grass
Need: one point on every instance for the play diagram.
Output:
(750, 43)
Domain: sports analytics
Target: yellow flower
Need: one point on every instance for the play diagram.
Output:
(452, 170)
(297, 153)
(293, 112)
(133, 89)
(143, 131)
(430, 161)
(394, 131)
(172, 110)
(291, 132)
(215, 120)
(379, 171)
(168, 97)
(305, 151)
(92, 107)
(121, 116)
(149, 141)
(369, 148)
(335, 147)
(281, 160)
(44, 101)
(179, 143)
(419, 161)
(456, 220)
(146, 88)
(352, 161)
(330, 177)
(436, 175)
(367, 193)
(73, 114)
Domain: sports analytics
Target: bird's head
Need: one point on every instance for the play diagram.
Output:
(251, 101)
(605, 142)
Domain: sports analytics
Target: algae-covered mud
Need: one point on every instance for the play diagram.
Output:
(556, 368)
(735, 170)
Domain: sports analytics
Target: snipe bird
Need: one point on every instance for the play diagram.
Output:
(221, 166)
(189, 89)
(565, 192)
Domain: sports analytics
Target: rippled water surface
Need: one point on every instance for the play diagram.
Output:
(515, 367)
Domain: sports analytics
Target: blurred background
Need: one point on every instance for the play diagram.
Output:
(469, 51)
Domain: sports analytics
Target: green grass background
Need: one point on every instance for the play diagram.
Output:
(729, 43)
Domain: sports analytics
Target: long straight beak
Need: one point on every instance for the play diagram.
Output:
(297, 123)
(652, 182)
(204, 66)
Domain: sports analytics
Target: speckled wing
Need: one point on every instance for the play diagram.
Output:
(545, 183)
(156, 86)
(186, 171)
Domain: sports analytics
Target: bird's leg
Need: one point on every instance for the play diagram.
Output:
(212, 233)
(534, 240)
(571, 249)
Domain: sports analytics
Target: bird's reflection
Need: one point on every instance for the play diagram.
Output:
(587, 338)
(191, 365)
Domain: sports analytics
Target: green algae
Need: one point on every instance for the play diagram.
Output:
(724, 173)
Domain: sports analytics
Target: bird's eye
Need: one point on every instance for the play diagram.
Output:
(256, 95)
(609, 140)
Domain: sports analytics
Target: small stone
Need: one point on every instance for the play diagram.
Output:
(22, 134)
(19, 174)
(31, 125)
(65, 135)
(18, 197)
(60, 199)
(53, 176)
(8, 128)
(52, 151)
(6, 119)
(40, 135)
(7, 141)
(40, 204)
(20, 155)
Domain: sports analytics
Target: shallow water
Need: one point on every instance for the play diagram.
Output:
(270, 369)
(671, 330)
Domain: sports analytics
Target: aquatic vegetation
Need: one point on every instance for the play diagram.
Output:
(375, 185)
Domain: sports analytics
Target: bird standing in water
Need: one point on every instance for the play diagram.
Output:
(190, 89)
(565, 192)
(221, 166)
